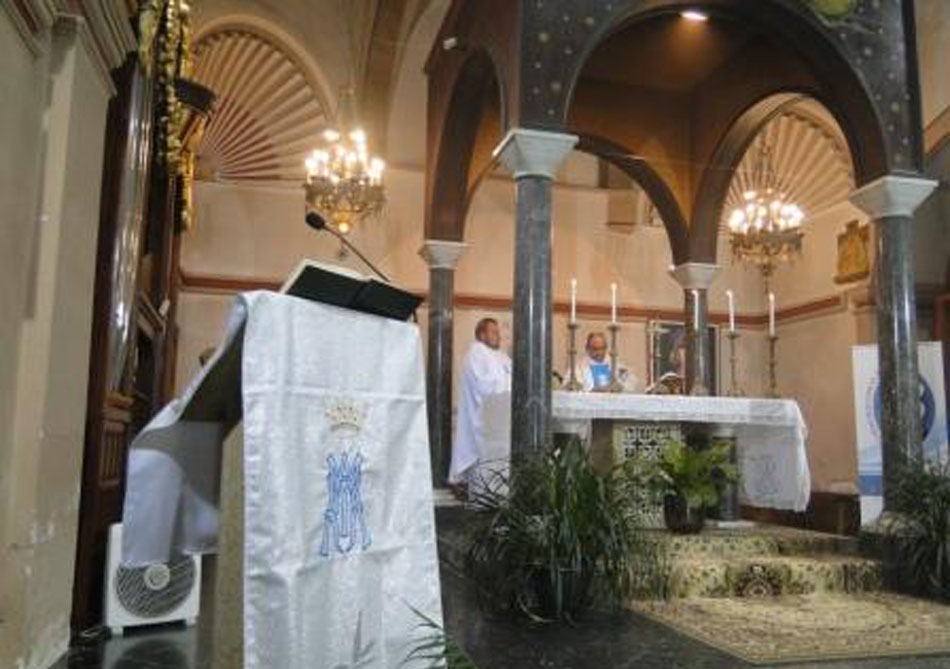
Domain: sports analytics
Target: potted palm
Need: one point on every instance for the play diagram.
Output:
(689, 480)
(552, 534)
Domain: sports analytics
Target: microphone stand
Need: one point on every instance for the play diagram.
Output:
(317, 222)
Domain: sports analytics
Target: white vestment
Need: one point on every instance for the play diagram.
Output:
(586, 373)
(485, 371)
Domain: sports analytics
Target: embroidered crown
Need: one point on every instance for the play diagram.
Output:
(345, 414)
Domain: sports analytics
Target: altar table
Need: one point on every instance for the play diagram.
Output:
(770, 435)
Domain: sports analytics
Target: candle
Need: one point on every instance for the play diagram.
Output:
(695, 309)
(771, 314)
(613, 304)
(573, 300)
(732, 311)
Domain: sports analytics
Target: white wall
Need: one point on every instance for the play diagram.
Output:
(54, 106)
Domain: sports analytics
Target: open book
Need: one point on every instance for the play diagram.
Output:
(344, 287)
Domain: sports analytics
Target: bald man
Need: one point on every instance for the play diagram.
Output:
(486, 370)
(593, 370)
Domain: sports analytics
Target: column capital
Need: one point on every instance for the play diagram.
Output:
(442, 253)
(534, 152)
(695, 275)
(892, 196)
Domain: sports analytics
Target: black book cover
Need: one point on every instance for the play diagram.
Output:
(343, 287)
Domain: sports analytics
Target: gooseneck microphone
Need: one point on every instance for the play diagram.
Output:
(318, 222)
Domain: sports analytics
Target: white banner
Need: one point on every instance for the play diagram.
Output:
(867, 414)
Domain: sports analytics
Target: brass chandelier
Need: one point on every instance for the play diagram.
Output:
(344, 183)
(766, 228)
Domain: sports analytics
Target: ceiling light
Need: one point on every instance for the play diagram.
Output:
(694, 15)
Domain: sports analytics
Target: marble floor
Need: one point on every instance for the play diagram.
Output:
(602, 640)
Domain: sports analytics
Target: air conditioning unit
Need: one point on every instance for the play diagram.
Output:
(157, 593)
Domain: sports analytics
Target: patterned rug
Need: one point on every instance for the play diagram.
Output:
(801, 628)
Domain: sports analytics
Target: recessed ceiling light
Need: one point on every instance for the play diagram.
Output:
(694, 15)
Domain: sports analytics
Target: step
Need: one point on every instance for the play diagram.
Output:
(761, 540)
(772, 575)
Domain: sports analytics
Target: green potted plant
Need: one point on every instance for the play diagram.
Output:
(689, 480)
(921, 501)
(548, 537)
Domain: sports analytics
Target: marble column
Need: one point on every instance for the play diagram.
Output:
(890, 203)
(695, 278)
(441, 257)
(533, 156)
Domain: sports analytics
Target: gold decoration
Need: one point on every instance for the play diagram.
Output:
(854, 263)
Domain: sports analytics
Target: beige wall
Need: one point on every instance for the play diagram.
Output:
(933, 48)
(54, 107)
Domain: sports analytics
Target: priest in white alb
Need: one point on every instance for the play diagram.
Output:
(593, 370)
(485, 371)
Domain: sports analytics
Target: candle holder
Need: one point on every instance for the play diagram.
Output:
(734, 389)
(615, 385)
(572, 385)
(772, 392)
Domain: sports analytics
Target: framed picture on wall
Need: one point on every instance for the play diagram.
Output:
(666, 350)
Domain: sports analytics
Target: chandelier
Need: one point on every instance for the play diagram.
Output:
(344, 183)
(766, 228)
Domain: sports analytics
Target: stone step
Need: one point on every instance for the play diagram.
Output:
(758, 541)
(772, 575)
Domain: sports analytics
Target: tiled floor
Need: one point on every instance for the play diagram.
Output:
(601, 641)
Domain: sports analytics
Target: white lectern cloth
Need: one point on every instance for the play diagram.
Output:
(339, 523)
(770, 435)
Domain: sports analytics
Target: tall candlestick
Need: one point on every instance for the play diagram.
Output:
(613, 303)
(771, 314)
(573, 300)
(732, 311)
(695, 309)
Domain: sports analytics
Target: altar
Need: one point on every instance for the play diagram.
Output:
(770, 435)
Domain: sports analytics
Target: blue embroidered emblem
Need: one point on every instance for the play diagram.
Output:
(344, 525)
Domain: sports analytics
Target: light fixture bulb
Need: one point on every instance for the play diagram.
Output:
(694, 15)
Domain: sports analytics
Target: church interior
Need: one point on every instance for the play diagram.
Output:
(744, 202)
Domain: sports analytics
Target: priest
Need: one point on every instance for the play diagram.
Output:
(485, 371)
(593, 370)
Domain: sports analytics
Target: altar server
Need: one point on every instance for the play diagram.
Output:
(486, 370)
(593, 370)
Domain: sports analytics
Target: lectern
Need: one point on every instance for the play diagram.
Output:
(322, 513)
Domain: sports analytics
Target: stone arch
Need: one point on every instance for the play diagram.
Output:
(842, 88)
(464, 144)
(717, 178)
(643, 174)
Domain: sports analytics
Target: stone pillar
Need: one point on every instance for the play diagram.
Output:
(890, 203)
(695, 278)
(533, 156)
(441, 256)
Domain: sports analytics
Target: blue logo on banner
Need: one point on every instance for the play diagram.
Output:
(928, 407)
(344, 525)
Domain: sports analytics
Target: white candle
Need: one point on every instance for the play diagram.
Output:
(613, 304)
(732, 311)
(573, 300)
(695, 309)
(771, 314)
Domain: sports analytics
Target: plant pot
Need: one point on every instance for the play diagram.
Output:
(564, 593)
(680, 518)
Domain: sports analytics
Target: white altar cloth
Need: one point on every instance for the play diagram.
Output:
(338, 516)
(770, 435)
